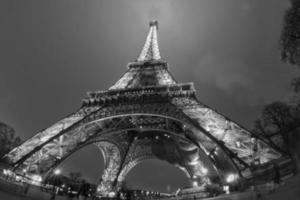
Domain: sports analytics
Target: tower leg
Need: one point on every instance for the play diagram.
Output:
(112, 159)
(107, 185)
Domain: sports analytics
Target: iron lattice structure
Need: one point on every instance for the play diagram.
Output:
(146, 115)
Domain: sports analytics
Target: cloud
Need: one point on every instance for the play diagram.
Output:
(227, 74)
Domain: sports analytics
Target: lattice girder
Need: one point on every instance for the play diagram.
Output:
(145, 75)
(150, 50)
(112, 157)
(240, 141)
(161, 117)
(46, 135)
(147, 156)
(147, 99)
(164, 146)
(110, 119)
(167, 110)
(92, 132)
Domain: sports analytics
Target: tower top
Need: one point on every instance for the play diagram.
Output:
(151, 50)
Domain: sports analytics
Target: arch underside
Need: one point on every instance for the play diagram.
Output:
(203, 139)
(161, 147)
(143, 147)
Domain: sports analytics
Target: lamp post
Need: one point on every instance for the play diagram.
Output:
(56, 173)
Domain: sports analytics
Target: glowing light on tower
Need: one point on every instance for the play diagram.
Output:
(204, 170)
(36, 178)
(231, 178)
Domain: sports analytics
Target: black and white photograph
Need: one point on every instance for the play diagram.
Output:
(149, 99)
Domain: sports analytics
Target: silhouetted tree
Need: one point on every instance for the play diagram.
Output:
(277, 121)
(124, 186)
(56, 180)
(290, 36)
(296, 84)
(280, 121)
(75, 176)
(8, 139)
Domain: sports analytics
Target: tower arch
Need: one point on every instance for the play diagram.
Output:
(160, 176)
(141, 158)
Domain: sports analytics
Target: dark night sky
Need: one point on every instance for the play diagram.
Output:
(52, 52)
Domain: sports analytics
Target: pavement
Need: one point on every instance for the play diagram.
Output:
(7, 196)
(290, 190)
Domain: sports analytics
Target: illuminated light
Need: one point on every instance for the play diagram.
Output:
(238, 144)
(44, 139)
(57, 171)
(195, 184)
(207, 129)
(226, 189)
(37, 178)
(157, 137)
(194, 162)
(7, 172)
(216, 151)
(111, 194)
(207, 152)
(18, 178)
(219, 133)
(204, 170)
(231, 178)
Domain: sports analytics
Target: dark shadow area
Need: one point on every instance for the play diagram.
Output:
(156, 175)
(88, 161)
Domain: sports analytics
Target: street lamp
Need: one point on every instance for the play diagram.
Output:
(57, 172)
(195, 184)
(55, 183)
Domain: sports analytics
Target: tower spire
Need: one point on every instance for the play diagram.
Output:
(150, 50)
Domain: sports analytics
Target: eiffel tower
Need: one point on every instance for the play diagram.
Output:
(147, 114)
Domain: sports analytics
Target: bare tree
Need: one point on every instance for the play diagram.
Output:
(290, 36)
(277, 120)
(8, 139)
(75, 176)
